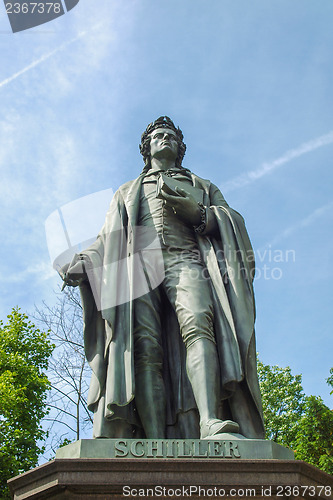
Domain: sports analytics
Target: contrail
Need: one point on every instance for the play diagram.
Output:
(41, 59)
(244, 179)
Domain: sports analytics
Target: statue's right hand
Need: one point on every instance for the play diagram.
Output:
(73, 274)
(62, 271)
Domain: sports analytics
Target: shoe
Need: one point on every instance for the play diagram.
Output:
(214, 426)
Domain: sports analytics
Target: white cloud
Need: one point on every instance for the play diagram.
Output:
(266, 168)
(63, 154)
(7, 137)
(41, 271)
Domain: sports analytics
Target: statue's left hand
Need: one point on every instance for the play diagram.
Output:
(184, 206)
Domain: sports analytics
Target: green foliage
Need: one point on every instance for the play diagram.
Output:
(330, 380)
(65, 442)
(303, 423)
(314, 439)
(24, 354)
(283, 401)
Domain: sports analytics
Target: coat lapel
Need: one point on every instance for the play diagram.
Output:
(131, 196)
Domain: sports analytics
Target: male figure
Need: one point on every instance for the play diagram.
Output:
(200, 316)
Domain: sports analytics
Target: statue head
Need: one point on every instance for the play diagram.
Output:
(161, 122)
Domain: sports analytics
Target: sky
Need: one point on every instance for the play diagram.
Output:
(251, 86)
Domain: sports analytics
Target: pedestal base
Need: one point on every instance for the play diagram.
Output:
(98, 478)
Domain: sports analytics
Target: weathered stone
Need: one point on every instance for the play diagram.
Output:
(223, 446)
(115, 479)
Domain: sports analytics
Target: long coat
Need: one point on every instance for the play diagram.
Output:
(112, 263)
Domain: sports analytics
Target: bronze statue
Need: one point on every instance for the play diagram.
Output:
(174, 358)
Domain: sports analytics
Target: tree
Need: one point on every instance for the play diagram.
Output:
(303, 423)
(330, 379)
(24, 355)
(69, 372)
(314, 437)
(283, 402)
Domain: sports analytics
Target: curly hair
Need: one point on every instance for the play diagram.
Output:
(161, 122)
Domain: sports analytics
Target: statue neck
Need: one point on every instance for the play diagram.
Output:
(162, 164)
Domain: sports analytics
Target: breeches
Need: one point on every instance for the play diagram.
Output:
(188, 290)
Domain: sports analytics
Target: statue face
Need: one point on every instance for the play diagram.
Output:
(163, 144)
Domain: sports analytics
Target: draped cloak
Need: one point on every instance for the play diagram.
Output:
(112, 264)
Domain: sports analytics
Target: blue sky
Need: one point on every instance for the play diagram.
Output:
(251, 86)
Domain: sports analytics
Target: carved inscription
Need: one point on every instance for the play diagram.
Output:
(174, 448)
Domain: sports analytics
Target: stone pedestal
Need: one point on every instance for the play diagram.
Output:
(222, 446)
(86, 476)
